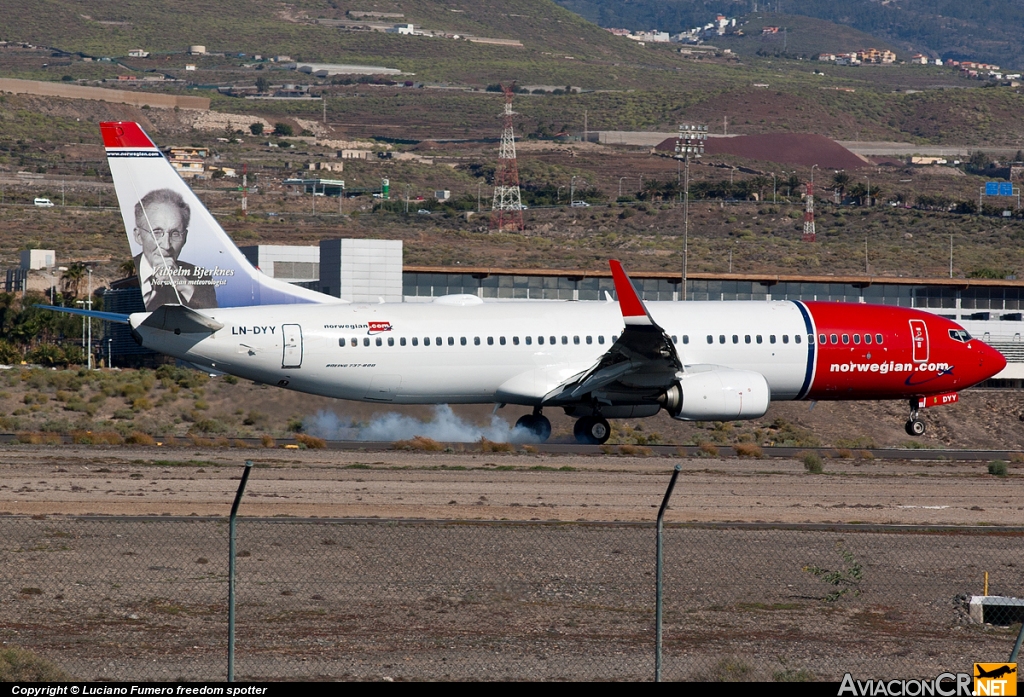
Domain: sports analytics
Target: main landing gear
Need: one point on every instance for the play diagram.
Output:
(914, 426)
(592, 430)
(537, 424)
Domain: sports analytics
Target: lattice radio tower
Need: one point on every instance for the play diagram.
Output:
(809, 214)
(507, 208)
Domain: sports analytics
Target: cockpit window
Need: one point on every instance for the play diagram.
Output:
(959, 335)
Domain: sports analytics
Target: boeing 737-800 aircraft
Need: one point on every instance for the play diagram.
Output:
(705, 361)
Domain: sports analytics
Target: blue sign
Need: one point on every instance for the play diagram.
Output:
(1005, 189)
(991, 188)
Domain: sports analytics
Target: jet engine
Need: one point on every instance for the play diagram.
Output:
(714, 393)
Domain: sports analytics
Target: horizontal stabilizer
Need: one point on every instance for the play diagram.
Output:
(95, 314)
(181, 320)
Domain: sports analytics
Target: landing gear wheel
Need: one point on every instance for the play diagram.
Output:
(592, 430)
(537, 424)
(915, 427)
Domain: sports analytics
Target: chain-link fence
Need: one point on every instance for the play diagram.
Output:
(146, 598)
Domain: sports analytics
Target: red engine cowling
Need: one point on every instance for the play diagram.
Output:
(717, 394)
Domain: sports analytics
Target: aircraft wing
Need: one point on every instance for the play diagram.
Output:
(640, 364)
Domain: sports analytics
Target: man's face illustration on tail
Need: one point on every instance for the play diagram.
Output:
(161, 227)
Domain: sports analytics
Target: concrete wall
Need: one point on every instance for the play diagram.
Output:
(58, 89)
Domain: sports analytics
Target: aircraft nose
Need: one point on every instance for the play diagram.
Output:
(991, 362)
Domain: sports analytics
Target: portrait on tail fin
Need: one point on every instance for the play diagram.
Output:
(161, 229)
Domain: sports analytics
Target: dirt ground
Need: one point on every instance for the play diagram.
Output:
(186, 481)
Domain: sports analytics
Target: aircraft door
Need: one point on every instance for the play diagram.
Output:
(919, 335)
(292, 357)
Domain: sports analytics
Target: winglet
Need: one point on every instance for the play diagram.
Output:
(633, 309)
(124, 134)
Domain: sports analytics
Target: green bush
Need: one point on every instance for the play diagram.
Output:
(997, 467)
(19, 665)
(812, 462)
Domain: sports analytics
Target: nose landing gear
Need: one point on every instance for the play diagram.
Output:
(914, 426)
(592, 430)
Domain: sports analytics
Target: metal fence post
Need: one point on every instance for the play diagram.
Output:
(1016, 646)
(658, 575)
(231, 570)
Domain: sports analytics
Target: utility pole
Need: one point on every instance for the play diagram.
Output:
(690, 141)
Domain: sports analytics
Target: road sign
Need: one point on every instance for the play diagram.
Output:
(991, 188)
(1005, 189)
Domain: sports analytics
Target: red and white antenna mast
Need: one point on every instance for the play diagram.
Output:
(507, 207)
(809, 214)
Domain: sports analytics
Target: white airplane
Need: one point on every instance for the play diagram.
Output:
(704, 361)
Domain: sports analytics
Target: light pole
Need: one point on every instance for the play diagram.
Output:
(812, 174)
(558, 194)
(572, 190)
(478, 185)
(620, 185)
(774, 189)
(690, 141)
(89, 303)
(868, 177)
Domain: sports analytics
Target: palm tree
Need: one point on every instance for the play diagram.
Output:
(71, 279)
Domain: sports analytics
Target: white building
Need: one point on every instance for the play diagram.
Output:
(361, 270)
(32, 259)
(292, 264)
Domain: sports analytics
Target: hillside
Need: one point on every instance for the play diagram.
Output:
(982, 31)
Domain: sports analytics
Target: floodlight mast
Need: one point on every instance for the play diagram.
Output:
(689, 142)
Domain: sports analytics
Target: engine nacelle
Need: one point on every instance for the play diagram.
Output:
(717, 394)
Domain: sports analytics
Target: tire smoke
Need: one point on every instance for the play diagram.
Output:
(445, 426)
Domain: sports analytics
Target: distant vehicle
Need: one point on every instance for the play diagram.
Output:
(523, 208)
(378, 195)
(43, 203)
(423, 211)
(580, 204)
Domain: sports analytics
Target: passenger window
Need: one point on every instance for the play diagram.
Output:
(796, 338)
(878, 338)
(758, 338)
(462, 341)
(490, 341)
(341, 343)
(810, 339)
(476, 341)
(366, 341)
(600, 338)
(833, 339)
(552, 340)
(439, 342)
(846, 338)
(415, 341)
(380, 342)
(711, 339)
(686, 338)
(856, 338)
(721, 338)
(746, 339)
(785, 338)
(540, 340)
(822, 339)
(426, 341)
(576, 340)
(590, 339)
(501, 340)
(402, 341)
(735, 339)
(867, 338)
(451, 340)
(391, 341)
(515, 340)
(675, 340)
(771, 338)
(529, 340)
